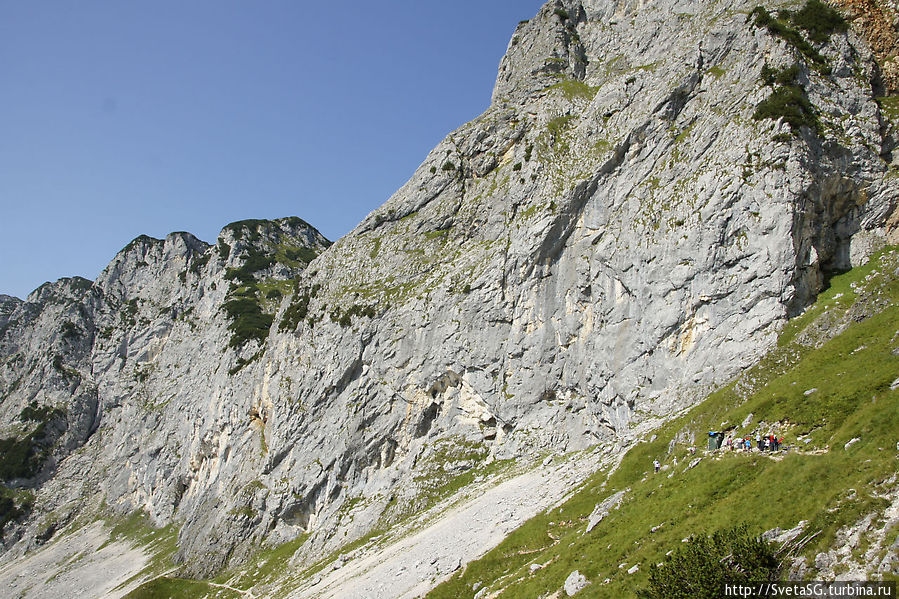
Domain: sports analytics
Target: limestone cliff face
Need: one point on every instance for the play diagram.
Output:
(615, 234)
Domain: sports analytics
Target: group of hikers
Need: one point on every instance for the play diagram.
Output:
(762, 442)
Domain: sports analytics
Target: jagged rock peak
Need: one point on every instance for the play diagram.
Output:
(270, 235)
(548, 44)
(8, 303)
(66, 287)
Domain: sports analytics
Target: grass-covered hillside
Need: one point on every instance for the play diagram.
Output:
(826, 389)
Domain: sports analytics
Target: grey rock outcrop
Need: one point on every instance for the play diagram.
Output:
(615, 234)
(603, 508)
(575, 583)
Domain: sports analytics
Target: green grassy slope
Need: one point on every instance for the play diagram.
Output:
(825, 384)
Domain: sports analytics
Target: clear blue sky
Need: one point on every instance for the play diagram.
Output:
(122, 118)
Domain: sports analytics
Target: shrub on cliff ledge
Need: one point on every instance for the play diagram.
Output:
(819, 21)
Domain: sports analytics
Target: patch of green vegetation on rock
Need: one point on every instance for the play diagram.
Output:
(573, 89)
(717, 71)
(250, 303)
(298, 309)
(294, 255)
(13, 506)
(224, 250)
(70, 331)
(254, 261)
(248, 229)
(819, 21)
(248, 321)
(812, 20)
(36, 413)
(344, 317)
(22, 457)
(558, 125)
(438, 234)
(889, 107)
(828, 395)
(376, 247)
(788, 100)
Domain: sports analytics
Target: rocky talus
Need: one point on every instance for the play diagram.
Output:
(655, 188)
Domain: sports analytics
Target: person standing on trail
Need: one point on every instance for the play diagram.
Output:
(656, 465)
(767, 443)
(758, 440)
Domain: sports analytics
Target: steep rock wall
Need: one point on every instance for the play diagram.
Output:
(615, 234)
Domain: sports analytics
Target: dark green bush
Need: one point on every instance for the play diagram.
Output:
(303, 254)
(819, 21)
(788, 100)
(254, 262)
(784, 76)
(199, 262)
(224, 250)
(129, 312)
(247, 321)
(700, 567)
(257, 261)
(561, 13)
(274, 294)
(790, 103)
(239, 274)
(780, 28)
(17, 458)
(241, 362)
(35, 413)
(345, 319)
(448, 166)
(9, 511)
(24, 457)
(517, 166)
(297, 310)
(70, 330)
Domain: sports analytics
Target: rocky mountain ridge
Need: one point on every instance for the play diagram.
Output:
(655, 188)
